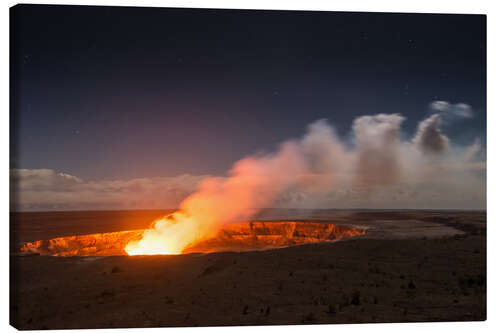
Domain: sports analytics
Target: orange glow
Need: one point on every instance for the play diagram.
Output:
(239, 237)
(169, 235)
(253, 182)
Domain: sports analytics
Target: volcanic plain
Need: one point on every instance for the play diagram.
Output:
(408, 266)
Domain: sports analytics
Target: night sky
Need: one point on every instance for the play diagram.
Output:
(118, 93)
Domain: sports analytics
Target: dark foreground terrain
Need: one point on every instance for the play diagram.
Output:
(409, 266)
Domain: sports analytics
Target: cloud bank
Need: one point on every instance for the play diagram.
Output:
(45, 189)
(378, 169)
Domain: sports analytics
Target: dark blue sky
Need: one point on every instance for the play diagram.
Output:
(109, 93)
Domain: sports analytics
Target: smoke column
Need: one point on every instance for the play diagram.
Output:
(312, 165)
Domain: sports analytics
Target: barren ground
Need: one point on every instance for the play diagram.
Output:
(410, 266)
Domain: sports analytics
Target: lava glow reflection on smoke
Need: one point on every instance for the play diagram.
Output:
(310, 165)
(169, 235)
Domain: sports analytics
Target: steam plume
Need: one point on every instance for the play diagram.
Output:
(377, 139)
(429, 138)
(315, 165)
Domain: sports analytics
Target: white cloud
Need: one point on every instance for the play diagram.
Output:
(448, 110)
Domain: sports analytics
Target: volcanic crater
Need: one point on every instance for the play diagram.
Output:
(237, 237)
